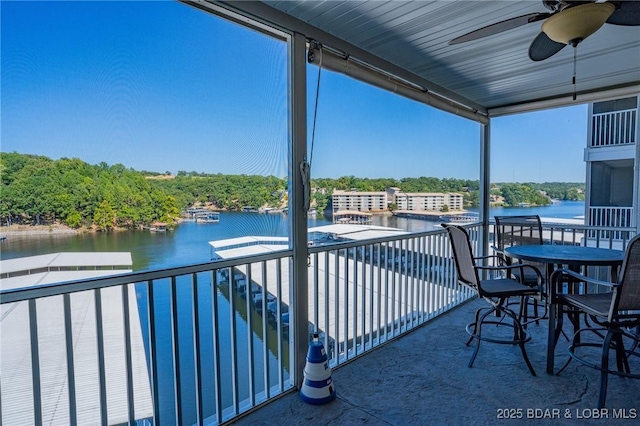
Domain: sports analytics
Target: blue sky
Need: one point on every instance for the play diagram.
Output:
(164, 87)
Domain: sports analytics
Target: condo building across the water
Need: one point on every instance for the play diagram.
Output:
(379, 201)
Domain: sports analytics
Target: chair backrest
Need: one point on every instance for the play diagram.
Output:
(463, 255)
(628, 295)
(518, 231)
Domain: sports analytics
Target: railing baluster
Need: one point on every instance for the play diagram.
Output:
(403, 285)
(279, 325)
(215, 329)
(406, 266)
(336, 293)
(315, 295)
(126, 325)
(71, 376)
(234, 344)
(438, 276)
(394, 299)
(386, 291)
(196, 350)
(371, 287)
(101, 368)
(363, 293)
(378, 323)
(175, 345)
(325, 304)
(355, 301)
(412, 286)
(35, 363)
(366, 288)
(349, 342)
(250, 367)
(449, 280)
(421, 278)
(151, 321)
(265, 338)
(430, 275)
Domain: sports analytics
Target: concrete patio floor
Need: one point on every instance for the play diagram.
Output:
(423, 379)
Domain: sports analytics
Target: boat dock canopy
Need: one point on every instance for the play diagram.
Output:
(16, 370)
(61, 267)
(245, 246)
(357, 232)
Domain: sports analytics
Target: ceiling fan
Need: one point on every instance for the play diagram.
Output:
(569, 22)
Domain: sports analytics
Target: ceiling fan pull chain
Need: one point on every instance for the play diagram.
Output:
(575, 56)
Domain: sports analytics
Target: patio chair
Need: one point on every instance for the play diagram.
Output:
(518, 231)
(495, 291)
(616, 318)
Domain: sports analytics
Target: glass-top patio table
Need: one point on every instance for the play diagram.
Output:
(573, 257)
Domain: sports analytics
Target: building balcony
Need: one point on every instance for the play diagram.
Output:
(606, 220)
(617, 128)
(222, 339)
(422, 378)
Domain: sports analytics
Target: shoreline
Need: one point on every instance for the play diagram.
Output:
(36, 230)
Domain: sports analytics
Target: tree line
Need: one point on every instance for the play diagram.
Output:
(38, 190)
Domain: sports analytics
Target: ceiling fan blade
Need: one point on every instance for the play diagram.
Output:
(501, 26)
(627, 13)
(542, 47)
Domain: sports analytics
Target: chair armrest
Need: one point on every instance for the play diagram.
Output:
(492, 256)
(497, 250)
(508, 268)
(559, 274)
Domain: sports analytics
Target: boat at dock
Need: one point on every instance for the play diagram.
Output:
(200, 215)
(352, 217)
(433, 216)
(209, 217)
(158, 227)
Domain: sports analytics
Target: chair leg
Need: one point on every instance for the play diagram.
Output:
(559, 322)
(535, 308)
(604, 369)
(622, 362)
(519, 335)
(558, 331)
(478, 333)
(526, 359)
(636, 340)
(475, 326)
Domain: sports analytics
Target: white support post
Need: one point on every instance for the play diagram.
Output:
(298, 150)
(485, 186)
(636, 170)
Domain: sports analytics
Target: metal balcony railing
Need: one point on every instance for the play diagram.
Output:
(609, 217)
(613, 128)
(608, 237)
(362, 294)
(216, 336)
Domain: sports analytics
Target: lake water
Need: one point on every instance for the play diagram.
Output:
(188, 244)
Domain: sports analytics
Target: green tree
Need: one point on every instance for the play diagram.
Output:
(74, 220)
(104, 217)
